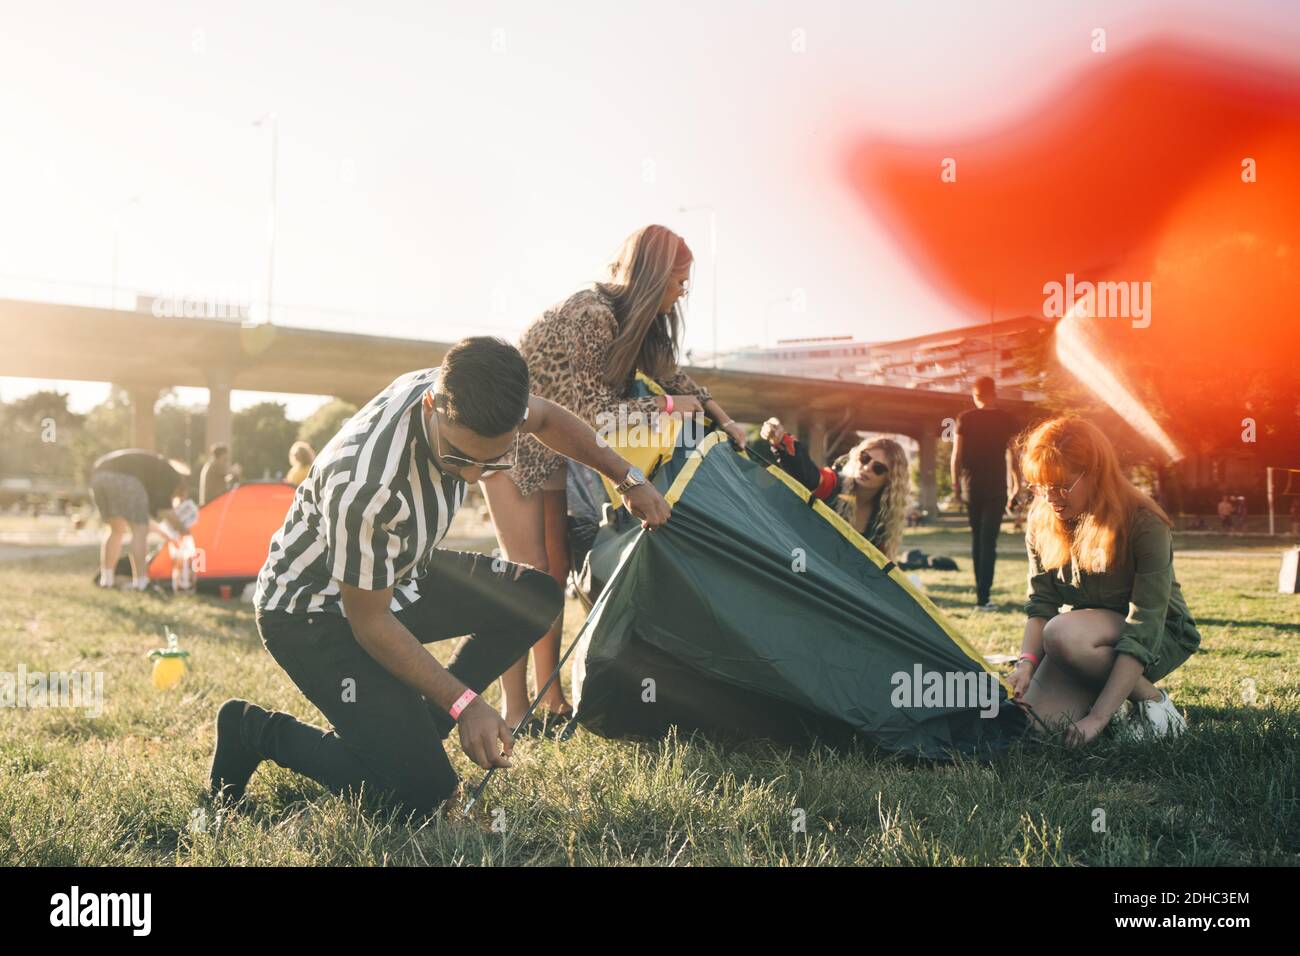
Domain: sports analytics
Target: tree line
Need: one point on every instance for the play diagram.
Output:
(51, 444)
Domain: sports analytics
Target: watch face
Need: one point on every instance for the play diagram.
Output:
(635, 474)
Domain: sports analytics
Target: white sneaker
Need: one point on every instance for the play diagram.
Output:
(1158, 718)
(986, 607)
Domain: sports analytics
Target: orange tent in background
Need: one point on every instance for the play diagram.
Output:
(1171, 173)
(233, 533)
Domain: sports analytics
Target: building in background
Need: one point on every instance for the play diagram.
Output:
(1008, 350)
(1015, 353)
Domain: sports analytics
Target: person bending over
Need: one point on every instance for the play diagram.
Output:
(134, 490)
(354, 584)
(1101, 546)
(584, 354)
(867, 487)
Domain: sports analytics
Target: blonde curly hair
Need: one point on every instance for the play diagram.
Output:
(891, 500)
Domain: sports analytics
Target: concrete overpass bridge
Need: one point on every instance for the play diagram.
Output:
(146, 354)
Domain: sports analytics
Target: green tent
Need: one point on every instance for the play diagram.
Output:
(758, 612)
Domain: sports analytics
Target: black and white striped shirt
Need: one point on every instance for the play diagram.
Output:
(370, 512)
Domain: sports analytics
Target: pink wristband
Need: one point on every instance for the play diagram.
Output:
(462, 702)
(668, 404)
(1026, 656)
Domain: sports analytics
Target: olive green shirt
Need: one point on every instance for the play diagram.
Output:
(1142, 588)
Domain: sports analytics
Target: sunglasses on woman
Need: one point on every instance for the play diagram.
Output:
(1058, 491)
(878, 468)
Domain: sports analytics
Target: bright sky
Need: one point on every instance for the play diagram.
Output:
(455, 168)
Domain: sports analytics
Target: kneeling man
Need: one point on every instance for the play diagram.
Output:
(355, 584)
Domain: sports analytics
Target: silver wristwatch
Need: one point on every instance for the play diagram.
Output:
(634, 478)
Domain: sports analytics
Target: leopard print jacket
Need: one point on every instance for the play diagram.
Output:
(566, 349)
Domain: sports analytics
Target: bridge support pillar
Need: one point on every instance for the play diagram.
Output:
(927, 453)
(218, 422)
(143, 399)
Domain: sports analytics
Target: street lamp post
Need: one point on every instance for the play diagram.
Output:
(272, 120)
(713, 257)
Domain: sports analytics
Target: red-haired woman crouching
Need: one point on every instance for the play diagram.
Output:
(1101, 546)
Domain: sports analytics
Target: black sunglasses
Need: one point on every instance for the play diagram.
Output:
(461, 460)
(877, 467)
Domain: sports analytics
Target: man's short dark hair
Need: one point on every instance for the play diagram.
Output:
(485, 380)
(219, 449)
(984, 385)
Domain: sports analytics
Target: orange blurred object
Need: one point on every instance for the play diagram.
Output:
(232, 535)
(1168, 174)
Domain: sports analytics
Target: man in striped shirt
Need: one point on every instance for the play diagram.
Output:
(354, 584)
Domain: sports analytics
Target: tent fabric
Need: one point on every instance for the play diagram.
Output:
(589, 493)
(646, 444)
(234, 532)
(705, 623)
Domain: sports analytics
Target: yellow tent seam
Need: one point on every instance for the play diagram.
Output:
(846, 531)
(692, 463)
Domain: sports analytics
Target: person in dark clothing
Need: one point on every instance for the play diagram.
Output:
(981, 452)
(134, 490)
(212, 477)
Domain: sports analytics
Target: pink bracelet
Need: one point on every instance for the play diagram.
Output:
(462, 702)
(1026, 656)
(668, 404)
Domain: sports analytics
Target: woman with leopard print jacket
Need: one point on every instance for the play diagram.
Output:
(584, 355)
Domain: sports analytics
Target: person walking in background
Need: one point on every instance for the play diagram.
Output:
(868, 487)
(584, 354)
(1100, 546)
(301, 455)
(982, 451)
(1226, 510)
(132, 489)
(212, 476)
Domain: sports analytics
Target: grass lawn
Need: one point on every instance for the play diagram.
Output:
(124, 787)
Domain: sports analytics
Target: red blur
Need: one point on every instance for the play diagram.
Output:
(1137, 171)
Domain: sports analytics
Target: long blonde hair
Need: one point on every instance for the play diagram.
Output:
(1098, 538)
(638, 277)
(891, 500)
(301, 453)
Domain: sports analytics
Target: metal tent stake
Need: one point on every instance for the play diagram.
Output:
(555, 675)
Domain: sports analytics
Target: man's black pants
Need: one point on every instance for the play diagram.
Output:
(385, 734)
(985, 512)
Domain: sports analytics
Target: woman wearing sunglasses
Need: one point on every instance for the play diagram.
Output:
(1101, 546)
(584, 354)
(868, 487)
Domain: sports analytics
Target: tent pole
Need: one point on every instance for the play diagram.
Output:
(555, 675)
